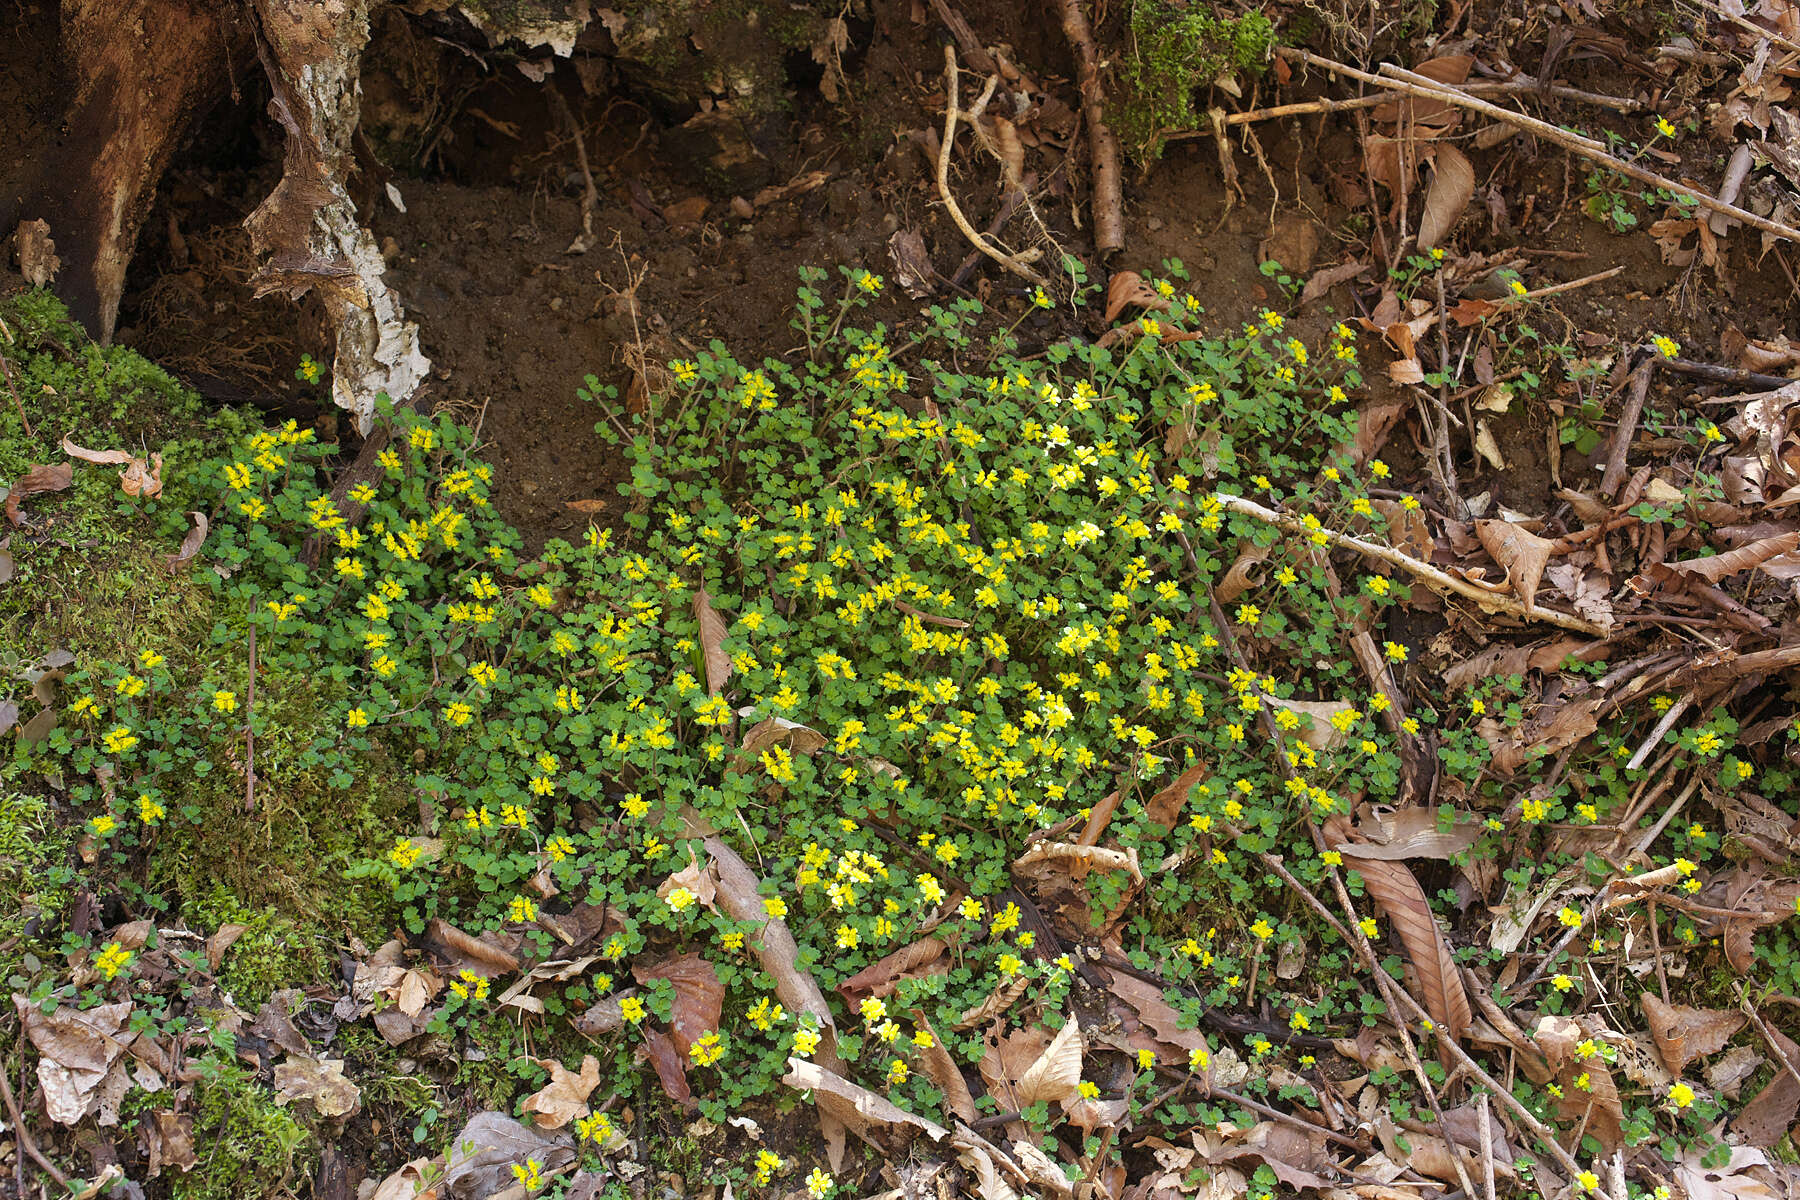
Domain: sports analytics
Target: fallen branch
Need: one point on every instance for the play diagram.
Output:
(1433, 577)
(1401, 80)
(1103, 147)
(1614, 475)
(1507, 87)
(1015, 263)
(24, 1139)
(1731, 376)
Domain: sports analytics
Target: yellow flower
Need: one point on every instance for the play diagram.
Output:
(1570, 917)
(1681, 1095)
(1665, 127)
(119, 739)
(1395, 651)
(356, 718)
(225, 701)
(707, 1050)
(111, 960)
(522, 909)
(1262, 929)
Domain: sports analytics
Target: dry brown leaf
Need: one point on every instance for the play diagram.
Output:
(699, 996)
(712, 642)
(36, 481)
(1769, 1114)
(565, 1097)
(943, 1072)
(1452, 187)
(699, 878)
(1320, 734)
(169, 1142)
(997, 1002)
(79, 1064)
(1323, 280)
(1056, 1075)
(670, 1066)
(1164, 808)
(190, 545)
(588, 507)
(872, 1112)
(1546, 733)
(408, 1183)
(1397, 893)
(221, 941)
(1243, 574)
(1512, 660)
(460, 951)
(1524, 555)
(1127, 289)
(320, 1082)
(923, 957)
(1719, 566)
(1683, 1034)
(1160, 1024)
(1597, 1105)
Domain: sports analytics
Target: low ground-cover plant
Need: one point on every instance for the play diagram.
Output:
(961, 600)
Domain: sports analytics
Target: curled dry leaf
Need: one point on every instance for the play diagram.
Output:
(79, 1064)
(1397, 893)
(670, 1066)
(1323, 280)
(1720, 566)
(1243, 574)
(712, 642)
(481, 955)
(169, 1142)
(1056, 1075)
(1127, 289)
(997, 1002)
(319, 1082)
(1524, 555)
(868, 1113)
(1598, 1104)
(190, 545)
(139, 478)
(565, 1097)
(698, 878)
(923, 957)
(36, 481)
(1769, 1114)
(943, 1072)
(1683, 1034)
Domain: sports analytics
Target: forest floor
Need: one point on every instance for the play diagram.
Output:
(1403, 641)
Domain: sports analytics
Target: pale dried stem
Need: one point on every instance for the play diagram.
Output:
(1014, 263)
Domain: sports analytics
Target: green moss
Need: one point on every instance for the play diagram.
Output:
(1176, 47)
(35, 876)
(248, 1144)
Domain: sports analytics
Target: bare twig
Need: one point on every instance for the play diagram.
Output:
(1662, 727)
(1744, 23)
(24, 1138)
(590, 196)
(1103, 147)
(1484, 1124)
(1400, 79)
(1507, 87)
(1713, 373)
(1556, 289)
(972, 49)
(1433, 577)
(1014, 263)
(1614, 474)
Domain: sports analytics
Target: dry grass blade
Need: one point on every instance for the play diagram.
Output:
(1397, 893)
(712, 642)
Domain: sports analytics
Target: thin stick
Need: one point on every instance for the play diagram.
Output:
(1431, 576)
(29, 1146)
(1713, 373)
(1103, 147)
(1484, 1122)
(1656, 734)
(1402, 80)
(1014, 263)
(1556, 289)
(1756, 1019)
(250, 730)
(1758, 30)
(1614, 474)
(1498, 87)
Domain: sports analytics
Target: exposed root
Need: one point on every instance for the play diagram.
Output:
(1103, 147)
(1015, 263)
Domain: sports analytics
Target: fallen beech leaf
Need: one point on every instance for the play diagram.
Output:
(1397, 893)
(190, 545)
(1321, 734)
(1164, 808)
(485, 1150)
(408, 1183)
(565, 1097)
(697, 878)
(35, 481)
(169, 1142)
(589, 507)
(1769, 1114)
(1242, 575)
(1469, 312)
(943, 1072)
(1127, 289)
(777, 731)
(1524, 555)
(712, 642)
(460, 950)
(79, 1052)
(1452, 187)
(221, 941)
(864, 1107)
(699, 996)
(997, 1002)
(1056, 1075)
(1737, 1179)
(1597, 1105)
(320, 1082)
(138, 477)
(1683, 1034)
(923, 957)
(670, 1066)
(1719, 566)
(1007, 1058)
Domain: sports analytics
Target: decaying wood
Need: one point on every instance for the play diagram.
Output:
(307, 230)
(1103, 147)
(143, 69)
